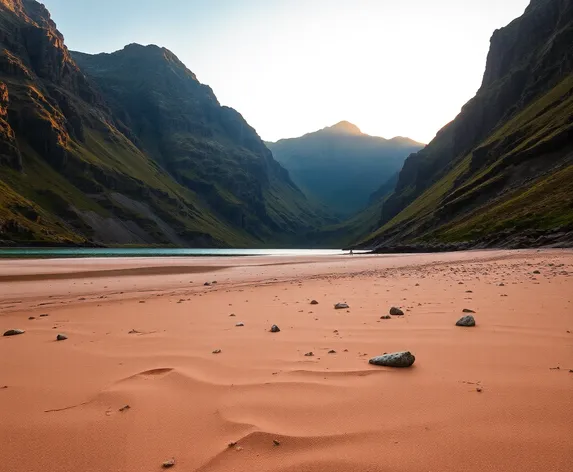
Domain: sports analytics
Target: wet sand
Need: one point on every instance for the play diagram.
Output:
(141, 332)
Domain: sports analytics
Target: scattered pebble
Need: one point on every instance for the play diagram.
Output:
(217, 351)
(276, 442)
(168, 464)
(207, 284)
(240, 323)
(14, 332)
(467, 310)
(43, 315)
(275, 329)
(394, 359)
(395, 311)
(332, 351)
(385, 317)
(314, 302)
(309, 354)
(479, 389)
(61, 337)
(124, 408)
(466, 321)
(341, 306)
(232, 444)
(31, 317)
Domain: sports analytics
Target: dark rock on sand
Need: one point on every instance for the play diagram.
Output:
(394, 311)
(341, 306)
(394, 359)
(61, 337)
(314, 302)
(466, 321)
(275, 329)
(14, 332)
(467, 310)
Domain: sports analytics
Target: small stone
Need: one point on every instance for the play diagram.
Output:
(536, 272)
(207, 284)
(466, 321)
(124, 408)
(501, 285)
(309, 354)
(232, 444)
(217, 351)
(14, 332)
(214, 282)
(314, 302)
(232, 314)
(394, 359)
(61, 337)
(31, 317)
(479, 389)
(240, 323)
(332, 351)
(385, 317)
(168, 464)
(341, 306)
(275, 329)
(276, 442)
(469, 291)
(467, 310)
(43, 315)
(394, 311)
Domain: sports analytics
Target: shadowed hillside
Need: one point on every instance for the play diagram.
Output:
(502, 172)
(340, 166)
(138, 156)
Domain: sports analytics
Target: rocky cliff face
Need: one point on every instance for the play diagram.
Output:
(340, 166)
(142, 156)
(512, 137)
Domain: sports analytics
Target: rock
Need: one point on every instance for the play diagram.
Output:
(467, 310)
(385, 317)
(479, 389)
(314, 302)
(536, 272)
(124, 408)
(217, 351)
(466, 321)
(168, 464)
(61, 337)
(232, 444)
(14, 332)
(332, 351)
(31, 317)
(43, 315)
(394, 359)
(207, 284)
(309, 354)
(240, 323)
(394, 311)
(275, 329)
(341, 306)
(276, 442)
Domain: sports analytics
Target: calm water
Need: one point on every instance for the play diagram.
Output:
(158, 252)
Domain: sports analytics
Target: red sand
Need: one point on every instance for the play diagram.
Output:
(60, 410)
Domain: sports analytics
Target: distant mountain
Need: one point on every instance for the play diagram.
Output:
(128, 148)
(340, 166)
(502, 172)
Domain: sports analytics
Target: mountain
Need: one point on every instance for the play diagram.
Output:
(340, 166)
(501, 173)
(128, 148)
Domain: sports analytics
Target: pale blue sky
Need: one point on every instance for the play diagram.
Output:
(392, 67)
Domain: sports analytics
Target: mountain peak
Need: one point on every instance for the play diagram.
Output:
(344, 127)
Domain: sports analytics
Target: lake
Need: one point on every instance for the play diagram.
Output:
(158, 252)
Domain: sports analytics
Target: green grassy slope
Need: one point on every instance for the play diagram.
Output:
(502, 167)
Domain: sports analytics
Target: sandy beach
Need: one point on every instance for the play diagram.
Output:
(137, 381)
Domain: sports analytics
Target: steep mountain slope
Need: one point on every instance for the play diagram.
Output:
(501, 172)
(340, 166)
(77, 167)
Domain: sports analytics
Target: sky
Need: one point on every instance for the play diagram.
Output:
(392, 67)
